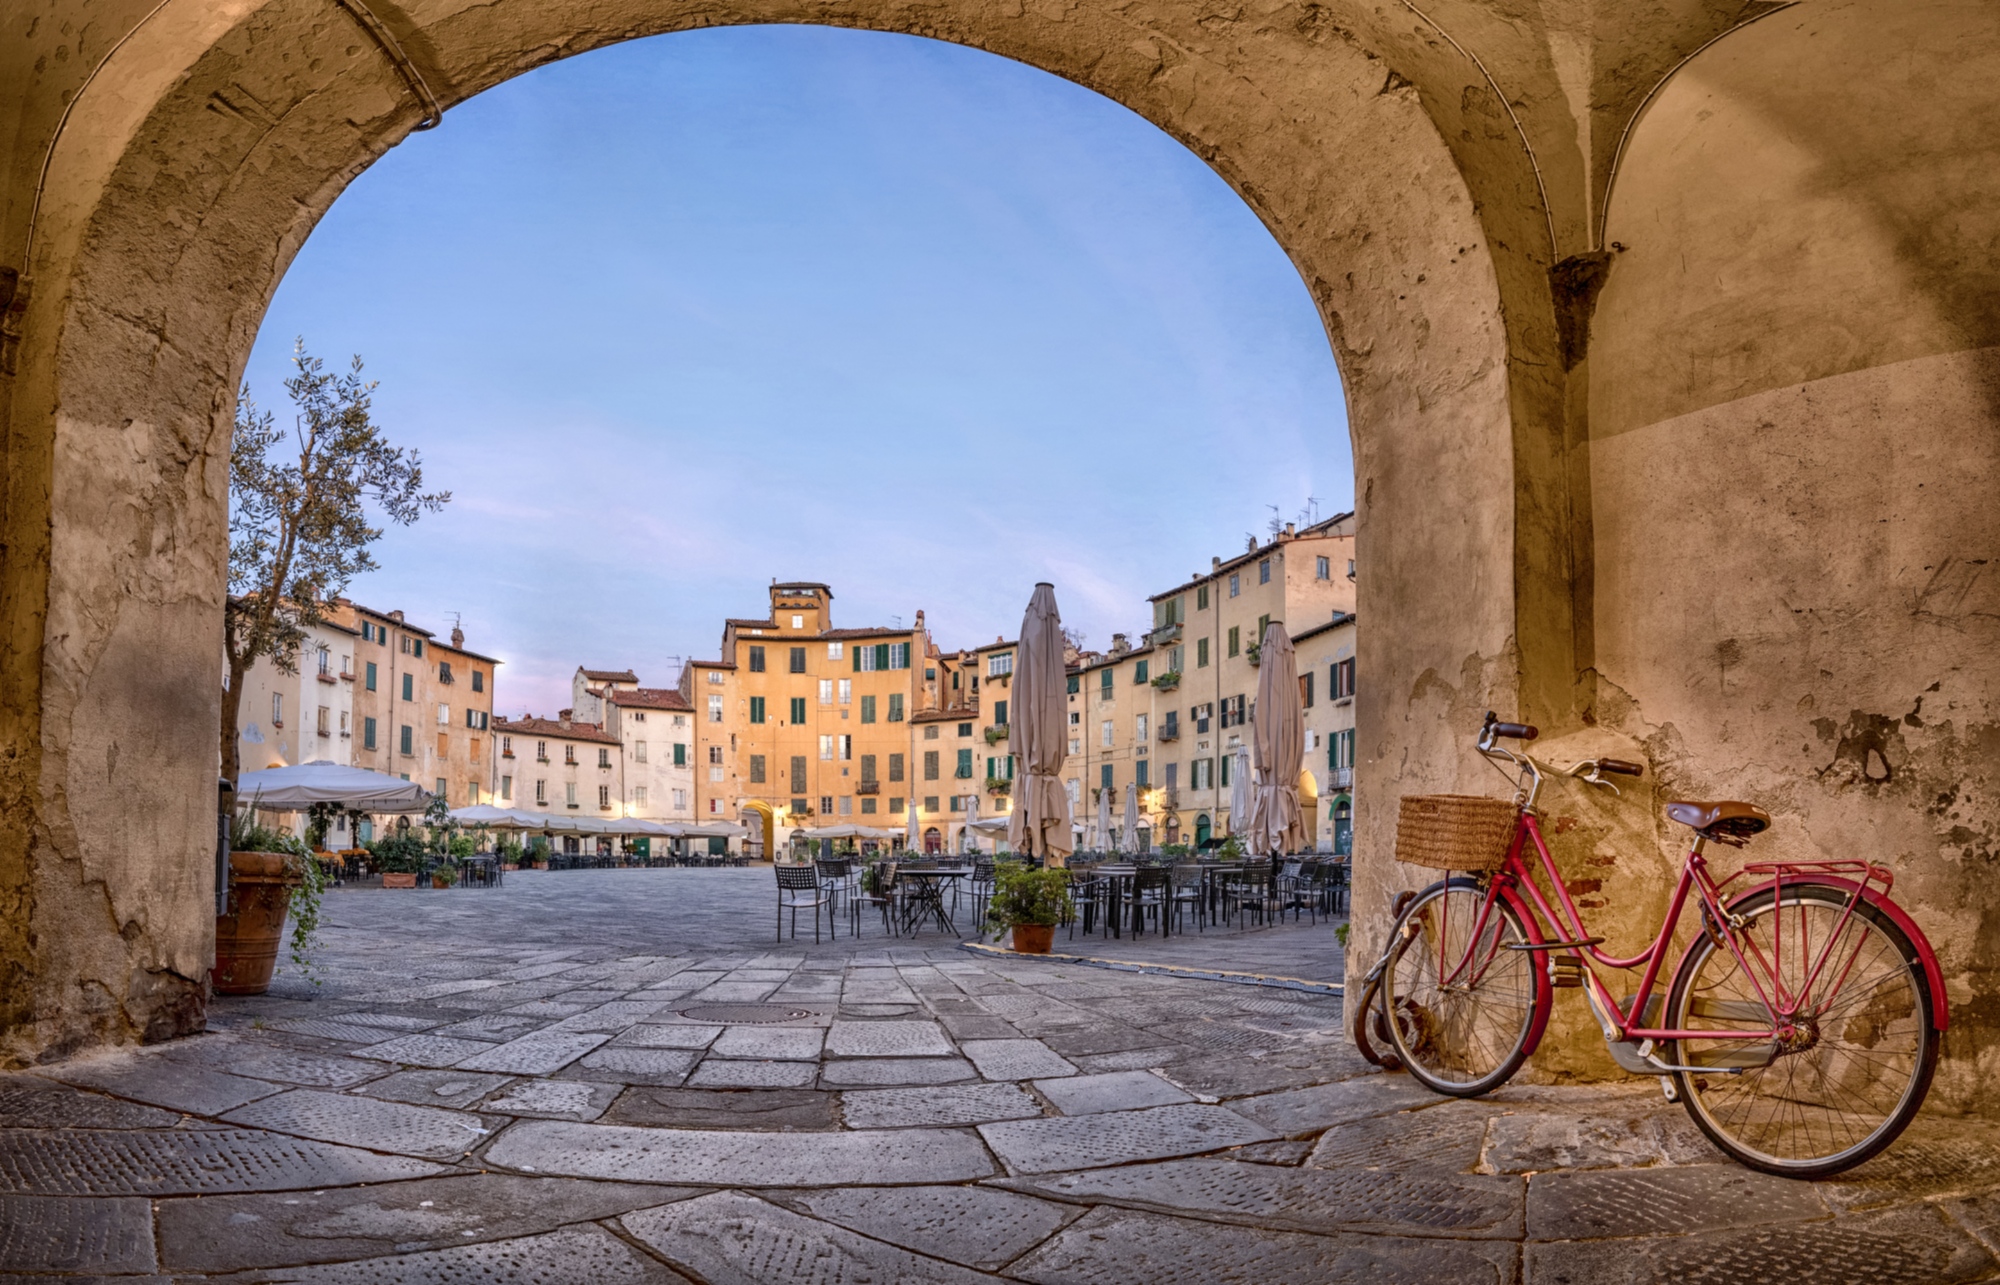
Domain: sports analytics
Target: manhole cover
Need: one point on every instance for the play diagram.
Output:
(747, 1013)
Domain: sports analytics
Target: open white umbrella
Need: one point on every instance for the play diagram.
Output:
(1278, 739)
(1040, 823)
(1239, 792)
(296, 788)
(1131, 826)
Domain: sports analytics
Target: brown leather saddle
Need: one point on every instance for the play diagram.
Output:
(1726, 822)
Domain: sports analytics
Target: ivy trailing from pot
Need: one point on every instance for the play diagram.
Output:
(255, 917)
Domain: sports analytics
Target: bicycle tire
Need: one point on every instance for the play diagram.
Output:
(1368, 1013)
(1433, 1030)
(1901, 1001)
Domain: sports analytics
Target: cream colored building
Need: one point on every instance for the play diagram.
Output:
(655, 728)
(1326, 657)
(305, 716)
(562, 767)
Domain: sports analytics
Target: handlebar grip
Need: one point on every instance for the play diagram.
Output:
(1517, 731)
(1620, 767)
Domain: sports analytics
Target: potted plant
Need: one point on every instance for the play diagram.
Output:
(998, 785)
(1030, 903)
(1168, 681)
(272, 874)
(444, 874)
(996, 734)
(397, 855)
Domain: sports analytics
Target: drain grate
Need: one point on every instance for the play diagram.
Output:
(747, 1014)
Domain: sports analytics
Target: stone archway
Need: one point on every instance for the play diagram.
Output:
(1696, 553)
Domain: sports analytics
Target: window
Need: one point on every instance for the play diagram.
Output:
(569, 794)
(1139, 773)
(440, 789)
(367, 733)
(409, 687)
(444, 671)
(868, 803)
(714, 755)
(604, 756)
(1235, 640)
(1104, 680)
(757, 769)
(1264, 571)
(846, 748)
(1139, 672)
(541, 791)
(1227, 761)
(931, 768)
(638, 796)
(826, 691)
(1104, 734)
(847, 691)
(444, 715)
(1166, 612)
(895, 769)
(506, 747)
(798, 711)
(999, 767)
(680, 800)
(1170, 728)
(1075, 719)
(899, 655)
(409, 745)
(1306, 689)
(1073, 788)
(998, 665)
(478, 719)
(1000, 713)
(825, 804)
(756, 710)
(1075, 683)
(1173, 776)
(541, 751)
(1201, 653)
(715, 709)
(1263, 629)
(472, 749)
(930, 803)
(1179, 657)
(1201, 714)
(1232, 712)
(833, 651)
(277, 709)
(569, 755)
(826, 749)
(1340, 679)
(965, 729)
(1139, 727)
(1322, 568)
(1201, 598)
(868, 767)
(478, 680)
(895, 707)
(1235, 585)
(404, 639)
(367, 631)
(680, 754)
(1076, 745)
(507, 789)
(1201, 774)
(964, 772)
(798, 622)
(604, 797)
(715, 677)
(867, 709)
(896, 804)
(638, 715)
(756, 660)
(1104, 777)
(798, 774)
(638, 751)
(931, 732)
(798, 658)
(417, 648)
(369, 680)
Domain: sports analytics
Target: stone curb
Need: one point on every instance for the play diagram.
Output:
(1164, 970)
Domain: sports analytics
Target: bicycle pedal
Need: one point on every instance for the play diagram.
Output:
(1565, 971)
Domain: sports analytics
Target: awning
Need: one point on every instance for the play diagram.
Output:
(296, 788)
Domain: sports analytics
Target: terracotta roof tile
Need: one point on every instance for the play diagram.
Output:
(529, 725)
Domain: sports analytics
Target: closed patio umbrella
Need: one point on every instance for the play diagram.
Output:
(912, 842)
(1040, 823)
(1131, 827)
(1278, 744)
(1239, 792)
(1104, 839)
(971, 815)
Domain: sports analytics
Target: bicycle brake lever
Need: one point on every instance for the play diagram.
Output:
(1592, 777)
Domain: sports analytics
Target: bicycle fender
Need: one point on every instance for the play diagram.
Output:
(1545, 995)
(1933, 975)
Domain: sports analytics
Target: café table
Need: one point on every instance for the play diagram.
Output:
(927, 897)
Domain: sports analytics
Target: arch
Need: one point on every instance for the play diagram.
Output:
(1309, 807)
(1204, 831)
(768, 823)
(172, 207)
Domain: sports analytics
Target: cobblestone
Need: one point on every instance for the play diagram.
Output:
(889, 1156)
(378, 1125)
(1115, 1138)
(559, 1258)
(75, 1234)
(731, 1238)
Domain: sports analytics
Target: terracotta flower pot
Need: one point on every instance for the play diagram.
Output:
(247, 937)
(1034, 939)
(390, 879)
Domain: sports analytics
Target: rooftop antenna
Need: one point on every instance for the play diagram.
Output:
(897, 621)
(1277, 522)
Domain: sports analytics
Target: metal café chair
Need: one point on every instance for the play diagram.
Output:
(799, 889)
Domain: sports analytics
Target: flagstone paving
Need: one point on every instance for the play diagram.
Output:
(622, 1076)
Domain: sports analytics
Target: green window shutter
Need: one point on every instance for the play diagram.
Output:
(1226, 759)
(881, 655)
(1139, 672)
(856, 653)
(368, 731)
(1075, 683)
(895, 707)
(1000, 713)
(1104, 776)
(756, 709)
(965, 765)
(867, 709)
(798, 710)
(680, 754)
(371, 675)
(1141, 773)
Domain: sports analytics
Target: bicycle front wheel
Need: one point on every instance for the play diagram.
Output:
(1863, 1046)
(1461, 1004)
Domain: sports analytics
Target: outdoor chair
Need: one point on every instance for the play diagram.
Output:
(798, 889)
(836, 880)
(981, 889)
(1335, 882)
(1087, 894)
(1298, 889)
(874, 889)
(1189, 893)
(1152, 895)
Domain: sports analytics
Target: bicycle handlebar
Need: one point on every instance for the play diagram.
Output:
(1620, 767)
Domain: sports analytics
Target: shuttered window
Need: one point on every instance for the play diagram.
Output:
(798, 774)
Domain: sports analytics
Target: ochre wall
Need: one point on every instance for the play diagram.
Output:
(1736, 520)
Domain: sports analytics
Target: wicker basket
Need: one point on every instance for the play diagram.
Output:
(1454, 831)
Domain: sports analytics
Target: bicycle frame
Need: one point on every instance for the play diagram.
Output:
(1570, 936)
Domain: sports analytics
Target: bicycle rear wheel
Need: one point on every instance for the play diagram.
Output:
(1461, 1004)
(1865, 1046)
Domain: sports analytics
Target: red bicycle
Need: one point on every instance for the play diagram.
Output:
(1802, 1025)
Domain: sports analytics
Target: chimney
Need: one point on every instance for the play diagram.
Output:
(1290, 530)
(1215, 564)
(563, 717)
(1119, 646)
(458, 637)
(396, 616)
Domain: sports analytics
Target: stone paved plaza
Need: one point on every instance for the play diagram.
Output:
(619, 1076)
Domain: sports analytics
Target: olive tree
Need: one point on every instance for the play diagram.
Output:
(299, 528)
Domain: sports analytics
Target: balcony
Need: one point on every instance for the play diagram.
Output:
(1168, 681)
(1340, 778)
(998, 785)
(346, 677)
(326, 677)
(996, 734)
(1165, 634)
(868, 787)
(1170, 732)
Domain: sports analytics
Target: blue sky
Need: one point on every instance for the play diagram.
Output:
(683, 315)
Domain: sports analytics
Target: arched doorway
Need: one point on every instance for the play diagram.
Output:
(763, 823)
(158, 204)
(1342, 815)
(1309, 807)
(933, 842)
(1204, 835)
